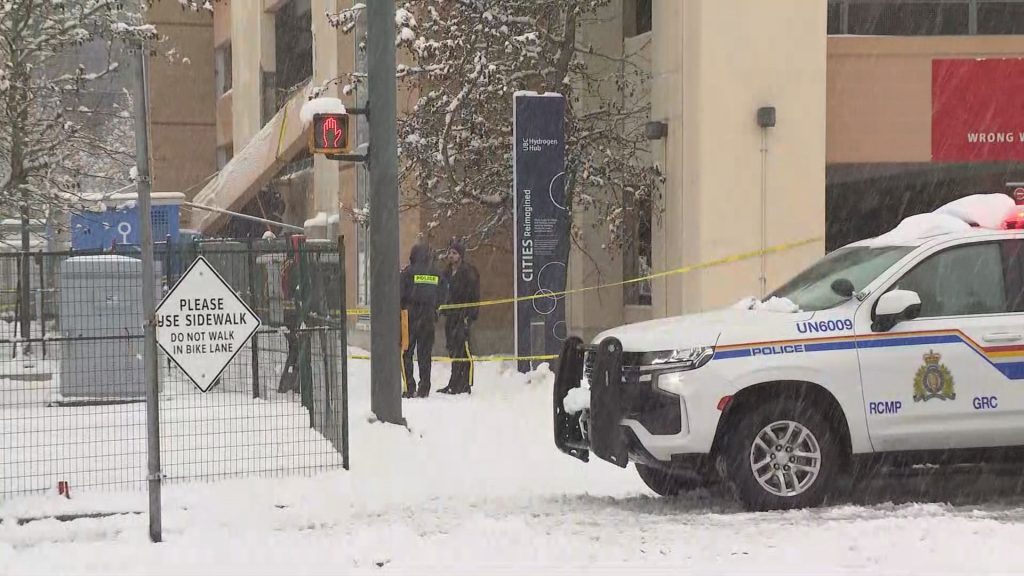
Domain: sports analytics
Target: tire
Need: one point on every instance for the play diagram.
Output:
(666, 483)
(746, 450)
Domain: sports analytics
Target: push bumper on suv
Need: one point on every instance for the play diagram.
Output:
(616, 392)
(603, 435)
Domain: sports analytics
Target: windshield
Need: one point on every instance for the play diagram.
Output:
(812, 289)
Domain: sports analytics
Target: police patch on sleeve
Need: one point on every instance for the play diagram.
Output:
(933, 380)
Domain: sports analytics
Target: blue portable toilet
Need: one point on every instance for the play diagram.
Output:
(115, 221)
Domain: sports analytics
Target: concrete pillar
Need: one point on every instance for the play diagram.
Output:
(590, 312)
(727, 59)
(252, 54)
(326, 66)
(667, 101)
(182, 129)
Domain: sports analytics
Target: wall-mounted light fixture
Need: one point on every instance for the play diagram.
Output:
(655, 130)
(766, 120)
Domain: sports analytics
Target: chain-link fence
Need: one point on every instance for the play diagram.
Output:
(72, 379)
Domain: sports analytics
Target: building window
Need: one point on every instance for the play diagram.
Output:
(222, 68)
(637, 254)
(908, 18)
(293, 42)
(362, 239)
(835, 9)
(644, 15)
(362, 175)
(925, 17)
(637, 16)
(224, 155)
(1001, 17)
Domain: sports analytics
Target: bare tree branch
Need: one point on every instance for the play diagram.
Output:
(468, 58)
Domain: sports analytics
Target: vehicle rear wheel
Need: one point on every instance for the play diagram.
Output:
(783, 455)
(667, 483)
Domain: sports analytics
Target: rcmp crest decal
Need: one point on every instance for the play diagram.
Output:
(933, 380)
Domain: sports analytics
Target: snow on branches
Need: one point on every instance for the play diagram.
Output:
(196, 5)
(62, 121)
(467, 59)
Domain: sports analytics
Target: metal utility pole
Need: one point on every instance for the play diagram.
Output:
(385, 330)
(148, 293)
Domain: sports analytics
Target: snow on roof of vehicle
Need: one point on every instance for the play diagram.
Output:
(979, 211)
(773, 304)
(982, 210)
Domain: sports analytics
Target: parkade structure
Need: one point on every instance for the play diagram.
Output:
(870, 125)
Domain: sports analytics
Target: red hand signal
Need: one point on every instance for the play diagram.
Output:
(332, 124)
(329, 134)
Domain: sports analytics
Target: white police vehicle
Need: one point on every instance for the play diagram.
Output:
(908, 346)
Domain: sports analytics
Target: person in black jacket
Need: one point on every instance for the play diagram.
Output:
(462, 285)
(419, 290)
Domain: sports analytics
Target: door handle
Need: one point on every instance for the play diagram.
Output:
(1002, 337)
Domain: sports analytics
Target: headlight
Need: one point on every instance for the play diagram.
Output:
(678, 359)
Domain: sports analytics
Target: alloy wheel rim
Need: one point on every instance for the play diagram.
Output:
(785, 458)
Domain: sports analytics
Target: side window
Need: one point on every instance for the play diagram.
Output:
(1013, 271)
(960, 281)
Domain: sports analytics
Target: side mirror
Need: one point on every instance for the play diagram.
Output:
(843, 287)
(895, 307)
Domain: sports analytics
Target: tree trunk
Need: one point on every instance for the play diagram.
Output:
(18, 182)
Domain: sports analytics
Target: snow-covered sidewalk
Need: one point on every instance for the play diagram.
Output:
(476, 486)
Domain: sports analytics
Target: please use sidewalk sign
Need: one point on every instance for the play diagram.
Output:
(202, 324)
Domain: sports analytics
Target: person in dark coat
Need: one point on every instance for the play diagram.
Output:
(462, 285)
(420, 297)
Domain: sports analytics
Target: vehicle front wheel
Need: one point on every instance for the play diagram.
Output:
(782, 455)
(666, 483)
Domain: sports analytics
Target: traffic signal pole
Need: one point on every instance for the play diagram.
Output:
(330, 136)
(385, 332)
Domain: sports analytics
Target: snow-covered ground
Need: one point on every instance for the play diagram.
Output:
(475, 485)
(223, 433)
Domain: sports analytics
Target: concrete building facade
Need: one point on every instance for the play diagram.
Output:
(852, 150)
(848, 84)
(182, 114)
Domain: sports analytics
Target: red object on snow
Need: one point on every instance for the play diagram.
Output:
(64, 489)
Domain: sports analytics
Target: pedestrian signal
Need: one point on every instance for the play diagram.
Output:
(329, 134)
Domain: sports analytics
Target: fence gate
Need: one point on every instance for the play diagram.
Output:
(72, 390)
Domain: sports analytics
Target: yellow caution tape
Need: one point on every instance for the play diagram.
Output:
(684, 270)
(474, 358)
(280, 133)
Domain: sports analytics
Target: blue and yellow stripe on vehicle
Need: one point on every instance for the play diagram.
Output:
(1009, 360)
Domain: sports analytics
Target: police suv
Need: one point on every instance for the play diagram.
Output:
(908, 346)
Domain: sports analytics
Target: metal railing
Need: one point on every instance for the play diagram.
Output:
(72, 395)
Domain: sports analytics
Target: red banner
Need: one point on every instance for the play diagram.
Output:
(977, 110)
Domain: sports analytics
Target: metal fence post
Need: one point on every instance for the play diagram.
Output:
(255, 345)
(148, 295)
(326, 357)
(19, 304)
(305, 357)
(343, 279)
(42, 301)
